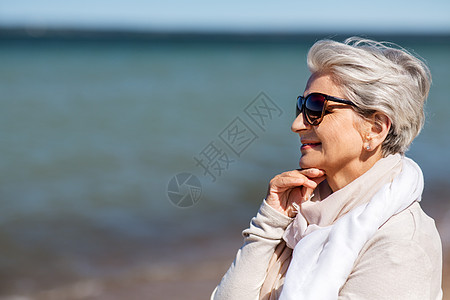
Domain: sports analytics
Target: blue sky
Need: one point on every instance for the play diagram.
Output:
(234, 15)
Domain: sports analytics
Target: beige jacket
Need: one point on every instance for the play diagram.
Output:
(403, 260)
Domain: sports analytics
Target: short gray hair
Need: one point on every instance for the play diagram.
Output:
(378, 77)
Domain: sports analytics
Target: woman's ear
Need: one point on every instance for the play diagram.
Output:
(378, 130)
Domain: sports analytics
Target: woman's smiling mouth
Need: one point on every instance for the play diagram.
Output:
(310, 145)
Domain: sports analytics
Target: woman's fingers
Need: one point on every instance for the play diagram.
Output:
(306, 193)
(282, 183)
(313, 172)
(309, 178)
(293, 186)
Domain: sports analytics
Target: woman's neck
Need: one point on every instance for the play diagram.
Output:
(343, 176)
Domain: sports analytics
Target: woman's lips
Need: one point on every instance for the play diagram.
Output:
(309, 145)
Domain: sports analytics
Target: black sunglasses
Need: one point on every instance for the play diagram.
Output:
(313, 106)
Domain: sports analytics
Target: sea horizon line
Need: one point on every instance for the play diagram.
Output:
(73, 33)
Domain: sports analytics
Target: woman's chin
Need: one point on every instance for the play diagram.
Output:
(305, 164)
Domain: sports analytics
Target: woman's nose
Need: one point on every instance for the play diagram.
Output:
(299, 123)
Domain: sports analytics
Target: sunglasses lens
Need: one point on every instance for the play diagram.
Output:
(314, 107)
(299, 105)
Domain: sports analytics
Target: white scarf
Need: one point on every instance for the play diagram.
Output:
(323, 257)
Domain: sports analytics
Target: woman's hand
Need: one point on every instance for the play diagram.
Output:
(292, 187)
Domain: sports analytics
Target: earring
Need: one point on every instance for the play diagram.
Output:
(368, 139)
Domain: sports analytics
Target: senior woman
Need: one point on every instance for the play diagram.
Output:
(348, 223)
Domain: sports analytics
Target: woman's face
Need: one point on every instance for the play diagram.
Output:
(336, 144)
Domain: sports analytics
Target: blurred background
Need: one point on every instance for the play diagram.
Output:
(105, 103)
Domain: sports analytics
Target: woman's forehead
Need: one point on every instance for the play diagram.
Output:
(322, 83)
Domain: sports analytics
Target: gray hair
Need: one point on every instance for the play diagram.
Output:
(378, 77)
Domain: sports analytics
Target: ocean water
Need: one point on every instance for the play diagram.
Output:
(93, 132)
